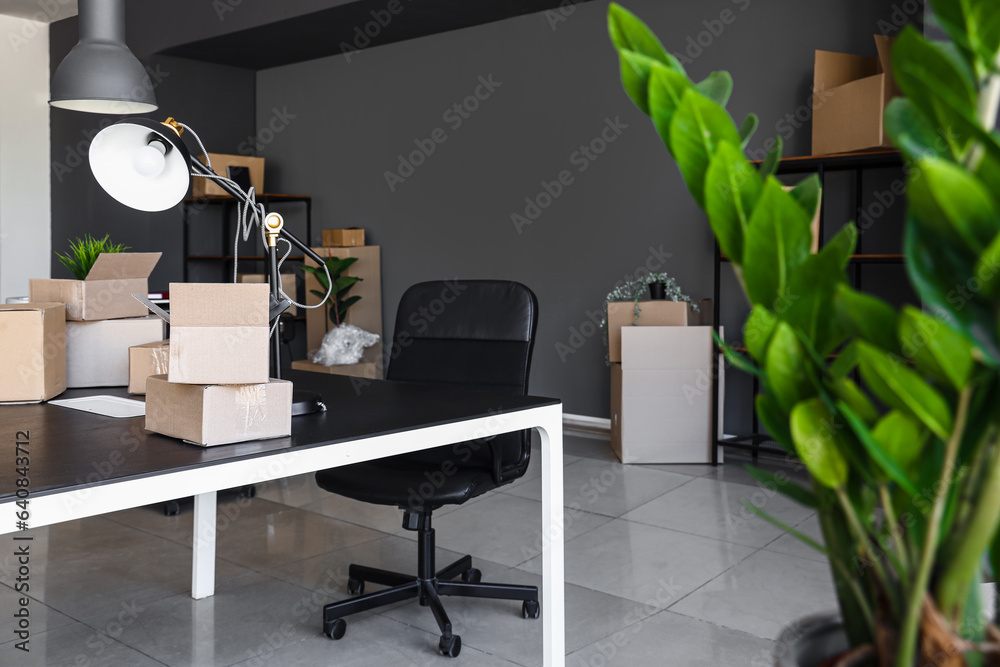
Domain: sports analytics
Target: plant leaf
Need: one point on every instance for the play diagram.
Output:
(868, 318)
(952, 203)
(807, 193)
(628, 32)
(786, 368)
(775, 420)
(717, 86)
(777, 241)
(911, 131)
(748, 128)
(785, 527)
(901, 437)
(934, 348)
(888, 465)
(772, 159)
(732, 190)
(697, 129)
(757, 332)
(666, 88)
(812, 427)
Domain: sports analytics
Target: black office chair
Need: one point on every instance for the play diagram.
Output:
(475, 335)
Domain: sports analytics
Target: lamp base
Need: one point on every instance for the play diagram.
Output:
(306, 402)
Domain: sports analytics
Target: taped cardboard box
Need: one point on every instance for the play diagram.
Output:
(287, 283)
(145, 360)
(849, 100)
(32, 351)
(219, 333)
(97, 353)
(653, 314)
(106, 292)
(352, 236)
(205, 187)
(218, 414)
(661, 395)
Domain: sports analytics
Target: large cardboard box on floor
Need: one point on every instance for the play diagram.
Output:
(661, 395)
(218, 414)
(206, 187)
(653, 314)
(106, 292)
(366, 313)
(97, 353)
(145, 360)
(32, 351)
(219, 333)
(287, 283)
(850, 94)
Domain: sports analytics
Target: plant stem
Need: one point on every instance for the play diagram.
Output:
(911, 614)
(864, 543)
(894, 529)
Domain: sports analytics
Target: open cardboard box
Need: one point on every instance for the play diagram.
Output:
(219, 333)
(662, 313)
(206, 187)
(97, 353)
(106, 292)
(32, 351)
(218, 414)
(287, 283)
(849, 99)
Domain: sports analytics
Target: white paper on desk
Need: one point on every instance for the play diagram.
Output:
(109, 406)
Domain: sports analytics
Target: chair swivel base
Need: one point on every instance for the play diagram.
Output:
(428, 589)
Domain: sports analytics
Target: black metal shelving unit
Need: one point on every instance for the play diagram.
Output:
(228, 204)
(757, 442)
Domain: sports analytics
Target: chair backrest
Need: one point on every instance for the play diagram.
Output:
(473, 334)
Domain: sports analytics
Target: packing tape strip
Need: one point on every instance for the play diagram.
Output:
(161, 360)
(252, 401)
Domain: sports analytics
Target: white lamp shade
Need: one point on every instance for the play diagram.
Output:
(118, 162)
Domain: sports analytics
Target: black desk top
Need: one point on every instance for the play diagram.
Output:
(69, 448)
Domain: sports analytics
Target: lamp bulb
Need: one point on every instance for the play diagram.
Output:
(148, 160)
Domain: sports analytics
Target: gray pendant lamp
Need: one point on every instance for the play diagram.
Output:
(100, 74)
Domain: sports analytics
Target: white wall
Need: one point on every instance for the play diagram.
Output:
(25, 208)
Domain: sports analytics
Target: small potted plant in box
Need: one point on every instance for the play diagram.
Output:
(343, 343)
(905, 465)
(84, 252)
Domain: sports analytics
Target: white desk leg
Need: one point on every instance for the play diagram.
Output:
(203, 561)
(553, 574)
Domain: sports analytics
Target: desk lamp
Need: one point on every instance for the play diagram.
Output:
(145, 165)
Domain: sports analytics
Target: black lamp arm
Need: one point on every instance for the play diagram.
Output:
(199, 167)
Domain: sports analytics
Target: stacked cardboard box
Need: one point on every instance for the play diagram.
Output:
(216, 389)
(103, 320)
(32, 351)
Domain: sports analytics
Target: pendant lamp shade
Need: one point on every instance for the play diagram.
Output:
(100, 74)
(142, 163)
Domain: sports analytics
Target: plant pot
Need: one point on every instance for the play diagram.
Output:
(810, 640)
(657, 292)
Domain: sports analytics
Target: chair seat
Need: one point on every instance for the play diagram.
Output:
(397, 481)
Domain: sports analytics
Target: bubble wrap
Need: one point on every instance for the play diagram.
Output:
(343, 345)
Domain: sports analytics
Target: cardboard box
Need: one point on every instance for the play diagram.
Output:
(352, 236)
(366, 313)
(219, 333)
(661, 395)
(97, 353)
(653, 314)
(369, 367)
(32, 351)
(204, 187)
(106, 292)
(218, 414)
(849, 99)
(287, 282)
(145, 360)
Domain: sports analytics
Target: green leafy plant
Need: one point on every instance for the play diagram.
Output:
(633, 290)
(83, 253)
(905, 463)
(338, 302)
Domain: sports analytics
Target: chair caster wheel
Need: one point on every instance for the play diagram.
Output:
(248, 491)
(472, 576)
(531, 609)
(355, 586)
(335, 629)
(171, 508)
(450, 646)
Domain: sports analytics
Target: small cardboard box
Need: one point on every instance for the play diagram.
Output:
(145, 360)
(205, 187)
(106, 292)
(218, 414)
(366, 313)
(653, 314)
(97, 353)
(369, 367)
(661, 395)
(219, 333)
(335, 238)
(287, 283)
(849, 99)
(32, 351)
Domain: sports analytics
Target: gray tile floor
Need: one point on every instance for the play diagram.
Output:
(664, 566)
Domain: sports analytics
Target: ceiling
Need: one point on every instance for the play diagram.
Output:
(46, 12)
(325, 32)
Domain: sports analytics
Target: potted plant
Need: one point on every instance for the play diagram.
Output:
(632, 290)
(342, 343)
(905, 464)
(83, 253)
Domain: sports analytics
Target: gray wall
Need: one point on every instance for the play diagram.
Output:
(558, 86)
